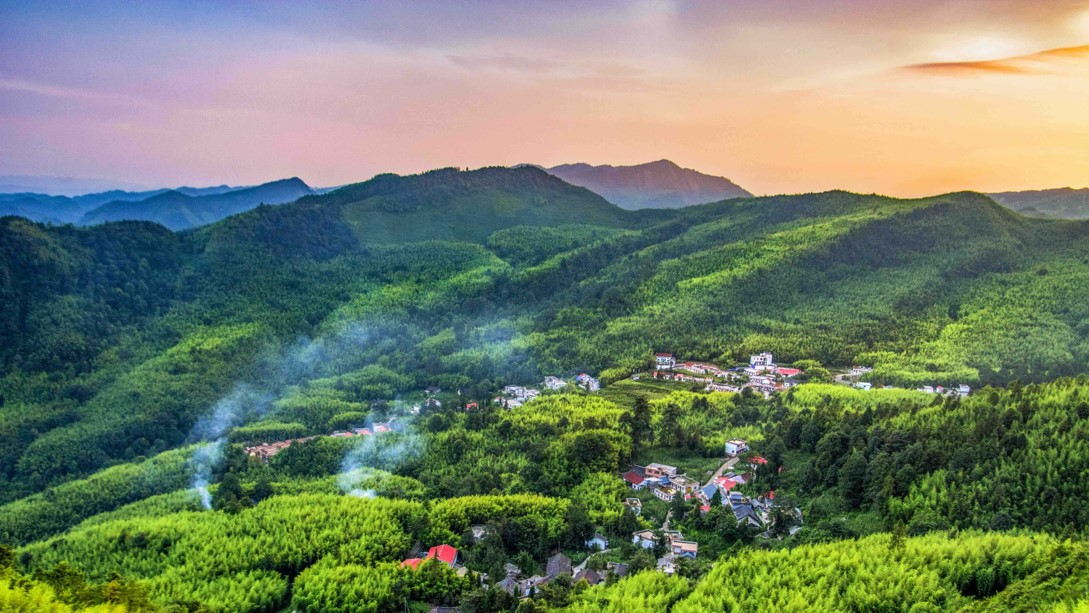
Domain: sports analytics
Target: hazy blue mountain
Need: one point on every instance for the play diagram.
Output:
(40, 207)
(190, 207)
(655, 185)
(60, 186)
(1063, 202)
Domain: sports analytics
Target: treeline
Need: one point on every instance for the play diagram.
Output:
(1000, 459)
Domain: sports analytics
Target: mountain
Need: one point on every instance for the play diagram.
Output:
(1061, 203)
(654, 185)
(122, 345)
(41, 207)
(62, 186)
(189, 207)
(444, 204)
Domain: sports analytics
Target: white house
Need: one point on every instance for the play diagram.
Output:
(862, 385)
(588, 382)
(665, 360)
(598, 542)
(665, 493)
(644, 538)
(554, 383)
(736, 446)
(761, 361)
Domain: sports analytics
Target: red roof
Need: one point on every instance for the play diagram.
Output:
(771, 495)
(663, 355)
(790, 372)
(445, 553)
(759, 459)
(726, 484)
(472, 405)
(633, 477)
(412, 563)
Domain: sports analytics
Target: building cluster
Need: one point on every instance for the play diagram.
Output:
(961, 390)
(514, 396)
(854, 375)
(662, 480)
(676, 547)
(587, 382)
(559, 565)
(762, 374)
(265, 451)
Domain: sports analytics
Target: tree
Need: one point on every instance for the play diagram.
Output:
(579, 527)
(229, 496)
(641, 431)
(262, 489)
(852, 479)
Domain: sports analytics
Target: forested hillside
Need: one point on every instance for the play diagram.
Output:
(137, 363)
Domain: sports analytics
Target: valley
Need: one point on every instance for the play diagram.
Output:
(277, 410)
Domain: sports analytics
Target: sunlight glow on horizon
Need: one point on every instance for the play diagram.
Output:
(907, 99)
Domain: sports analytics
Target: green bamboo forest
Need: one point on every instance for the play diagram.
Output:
(458, 389)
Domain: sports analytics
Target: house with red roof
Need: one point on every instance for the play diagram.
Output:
(634, 479)
(413, 563)
(444, 553)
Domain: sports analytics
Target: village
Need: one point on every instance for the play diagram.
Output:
(855, 375)
(762, 374)
(665, 483)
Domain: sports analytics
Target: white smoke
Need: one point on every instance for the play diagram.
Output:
(381, 451)
(305, 360)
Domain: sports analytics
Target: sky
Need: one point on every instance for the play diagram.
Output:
(907, 98)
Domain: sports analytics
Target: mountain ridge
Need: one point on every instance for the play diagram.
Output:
(1058, 203)
(658, 184)
(179, 210)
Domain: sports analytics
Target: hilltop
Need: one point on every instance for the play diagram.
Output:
(653, 185)
(444, 204)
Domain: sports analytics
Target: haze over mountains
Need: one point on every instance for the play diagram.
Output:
(177, 209)
(1061, 203)
(654, 185)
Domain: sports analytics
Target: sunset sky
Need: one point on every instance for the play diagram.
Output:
(906, 97)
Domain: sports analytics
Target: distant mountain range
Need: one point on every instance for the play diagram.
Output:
(177, 209)
(654, 185)
(61, 186)
(1064, 202)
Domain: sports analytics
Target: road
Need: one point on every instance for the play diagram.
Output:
(727, 465)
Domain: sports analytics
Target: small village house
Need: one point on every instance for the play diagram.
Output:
(656, 471)
(598, 542)
(736, 447)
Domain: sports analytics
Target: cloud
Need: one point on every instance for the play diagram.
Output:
(506, 62)
(1041, 62)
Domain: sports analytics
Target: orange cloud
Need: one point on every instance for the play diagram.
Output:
(1033, 63)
